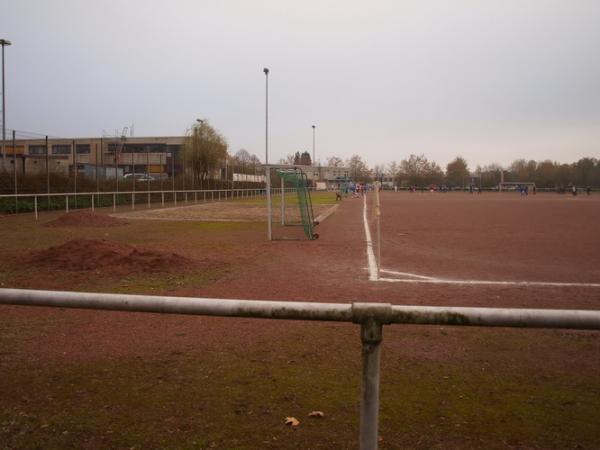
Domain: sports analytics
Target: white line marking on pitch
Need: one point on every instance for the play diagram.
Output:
(370, 255)
(415, 278)
(490, 282)
(407, 274)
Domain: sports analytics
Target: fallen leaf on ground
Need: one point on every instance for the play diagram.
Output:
(292, 421)
(317, 414)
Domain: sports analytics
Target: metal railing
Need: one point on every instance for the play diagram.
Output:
(370, 316)
(152, 197)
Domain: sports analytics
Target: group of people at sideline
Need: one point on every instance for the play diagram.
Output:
(356, 190)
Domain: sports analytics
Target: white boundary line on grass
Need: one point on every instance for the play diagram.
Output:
(415, 278)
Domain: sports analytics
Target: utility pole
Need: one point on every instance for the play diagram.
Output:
(267, 170)
(4, 43)
(313, 158)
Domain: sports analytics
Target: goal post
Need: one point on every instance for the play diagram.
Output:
(297, 180)
(515, 185)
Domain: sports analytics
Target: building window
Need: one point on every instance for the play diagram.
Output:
(112, 148)
(37, 149)
(145, 148)
(156, 148)
(133, 148)
(61, 149)
(83, 149)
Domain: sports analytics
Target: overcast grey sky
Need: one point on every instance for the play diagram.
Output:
(491, 80)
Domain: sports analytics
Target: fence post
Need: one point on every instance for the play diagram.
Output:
(114, 202)
(133, 199)
(282, 202)
(67, 204)
(92, 202)
(35, 206)
(162, 198)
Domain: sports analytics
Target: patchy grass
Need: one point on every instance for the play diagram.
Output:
(163, 283)
(317, 198)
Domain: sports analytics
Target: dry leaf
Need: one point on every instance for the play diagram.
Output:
(292, 421)
(317, 414)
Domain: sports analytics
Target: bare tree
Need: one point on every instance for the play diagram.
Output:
(457, 171)
(418, 170)
(204, 149)
(289, 159)
(335, 161)
(358, 169)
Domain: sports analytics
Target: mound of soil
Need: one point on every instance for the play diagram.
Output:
(109, 257)
(85, 219)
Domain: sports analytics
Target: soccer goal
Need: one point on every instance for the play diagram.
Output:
(517, 186)
(296, 210)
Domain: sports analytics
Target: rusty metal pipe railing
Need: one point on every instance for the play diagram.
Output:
(370, 316)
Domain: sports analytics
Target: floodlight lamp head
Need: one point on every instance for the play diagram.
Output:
(266, 71)
(314, 126)
(5, 42)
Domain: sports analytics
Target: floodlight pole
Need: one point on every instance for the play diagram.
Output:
(4, 43)
(267, 169)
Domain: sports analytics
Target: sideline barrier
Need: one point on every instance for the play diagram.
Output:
(370, 316)
(121, 198)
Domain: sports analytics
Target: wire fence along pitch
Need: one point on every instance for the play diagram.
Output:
(96, 199)
(370, 316)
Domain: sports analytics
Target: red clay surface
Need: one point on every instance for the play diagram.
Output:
(488, 237)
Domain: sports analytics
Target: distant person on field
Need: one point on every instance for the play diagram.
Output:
(588, 190)
(533, 189)
(574, 190)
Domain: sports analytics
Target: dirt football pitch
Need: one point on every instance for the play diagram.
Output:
(82, 379)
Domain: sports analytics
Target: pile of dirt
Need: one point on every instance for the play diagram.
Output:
(109, 257)
(85, 219)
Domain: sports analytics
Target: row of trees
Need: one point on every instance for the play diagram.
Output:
(545, 174)
(205, 151)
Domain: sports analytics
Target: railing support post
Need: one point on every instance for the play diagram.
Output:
(371, 336)
(371, 317)
(93, 202)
